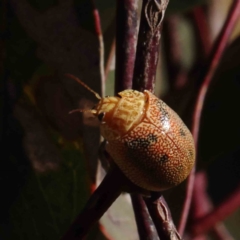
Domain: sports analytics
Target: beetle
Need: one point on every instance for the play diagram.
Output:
(145, 138)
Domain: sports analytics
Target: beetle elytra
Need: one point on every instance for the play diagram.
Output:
(145, 137)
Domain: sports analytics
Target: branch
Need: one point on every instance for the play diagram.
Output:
(215, 57)
(144, 77)
(148, 44)
(201, 27)
(98, 30)
(126, 41)
(162, 218)
(107, 192)
(146, 228)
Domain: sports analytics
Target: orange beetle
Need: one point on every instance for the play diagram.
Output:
(146, 138)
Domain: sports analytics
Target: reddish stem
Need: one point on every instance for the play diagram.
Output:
(103, 197)
(202, 30)
(215, 57)
(144, 78)
(148, 44)
(147, 55)
(126, 41)
(187, 202)
(146, 228)
(98, 30)
(220, 213)
(162, 218)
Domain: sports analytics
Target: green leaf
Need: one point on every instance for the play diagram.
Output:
(54, 185)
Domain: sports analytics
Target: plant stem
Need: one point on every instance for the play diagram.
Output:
(146, 228)
(98, 30)
(201, 27)
(148, 44)
(162, 218)
(126, 41)
(215, 57)
(103, 197)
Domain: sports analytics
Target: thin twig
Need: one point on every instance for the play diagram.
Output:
(146, 228)
(153, 12)
(162, 218)
(215, 57)
(103, 197)
(98, 30)
(126, 41)
(202, 33)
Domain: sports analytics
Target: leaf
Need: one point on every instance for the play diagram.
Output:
(53, 188)
(44, 175)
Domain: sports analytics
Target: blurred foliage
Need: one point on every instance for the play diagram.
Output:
(44, 176)
(176, 6)
(49, 201)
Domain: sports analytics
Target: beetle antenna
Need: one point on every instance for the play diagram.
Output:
(84, 85)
